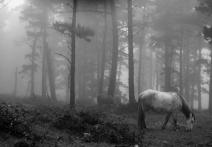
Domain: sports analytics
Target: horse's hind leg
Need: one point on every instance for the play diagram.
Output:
(141, 118)
(143, 122)
(175, 120)
(166, 120)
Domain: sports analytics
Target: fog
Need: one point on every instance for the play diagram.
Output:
(88, 72)
(147, 30)
(12, 53)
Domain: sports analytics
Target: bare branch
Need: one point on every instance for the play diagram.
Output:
(66, 58)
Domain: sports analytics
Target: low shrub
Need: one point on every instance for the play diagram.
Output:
(96, 127)
(12, 120)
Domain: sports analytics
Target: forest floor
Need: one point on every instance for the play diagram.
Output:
(40, 123)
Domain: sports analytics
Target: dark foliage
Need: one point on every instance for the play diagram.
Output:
(12, 121)
(112, 132)
(105, 100)
(126, 108)
(21, 144)
(77, 122)
(94, 127)
(81, 31)
(207, 32)
(33, 125)
(205, 7)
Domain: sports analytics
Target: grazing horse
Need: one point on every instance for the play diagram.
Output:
(163, 102)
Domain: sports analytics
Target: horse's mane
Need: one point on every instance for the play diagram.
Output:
(185, 108)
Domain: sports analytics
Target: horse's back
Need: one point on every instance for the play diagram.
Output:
(160, 101)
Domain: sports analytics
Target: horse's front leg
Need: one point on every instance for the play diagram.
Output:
(166, 120)
(175, 120)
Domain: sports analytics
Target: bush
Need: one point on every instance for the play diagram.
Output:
(96, 127)
(113, 133)
(77, 122)
(126, 108)
(12, 120)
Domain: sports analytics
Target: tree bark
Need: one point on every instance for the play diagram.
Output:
(113, 71)
(44, 60)
(199, 80)
(130, 54)
(103, 55)
(187, 62)
(32, 93)
(16, 82)
(210, 84)
(68, 88)
(72, 72)
(181, 67)
(47, 60)
(168, 63)
(82, 80)
(140, 73)
(151, 71)
(157, 76)
(119, 75)
(139, 68)
(44, 74)
(50, 73)
(192, 94)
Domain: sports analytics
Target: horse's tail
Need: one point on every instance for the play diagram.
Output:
(141, 117)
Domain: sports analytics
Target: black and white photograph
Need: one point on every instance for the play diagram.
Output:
(105, 73)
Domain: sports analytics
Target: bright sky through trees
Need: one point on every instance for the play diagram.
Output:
(12, 4)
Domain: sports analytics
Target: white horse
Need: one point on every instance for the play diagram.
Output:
(163, 102)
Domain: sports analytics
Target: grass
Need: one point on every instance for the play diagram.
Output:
(42, 124)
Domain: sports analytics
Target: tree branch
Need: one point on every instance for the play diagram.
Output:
(66, 58)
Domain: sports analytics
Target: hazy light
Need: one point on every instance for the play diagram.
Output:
(12, 4)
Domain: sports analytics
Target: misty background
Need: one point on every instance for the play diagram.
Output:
(153, 22)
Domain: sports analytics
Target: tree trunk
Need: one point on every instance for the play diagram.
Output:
(98, 64)
(192, 94)
(151, 71)
(32, 93)
(199, 80)
(84, 83)
(50, 73)
(210, 84)
(44, 74)
(157, 76)
(82, 79)
(47, 60)
(140, 73)
(68, 88)
(181, 67)
(16, 82)
(72, 72)
(118, 75)
(139, 68)
(113, 72)
(44, 60)
(187, 62)
(130, 54)
(103, 56)
(168, 63)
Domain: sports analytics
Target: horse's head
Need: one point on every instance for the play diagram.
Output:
(190, 121)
